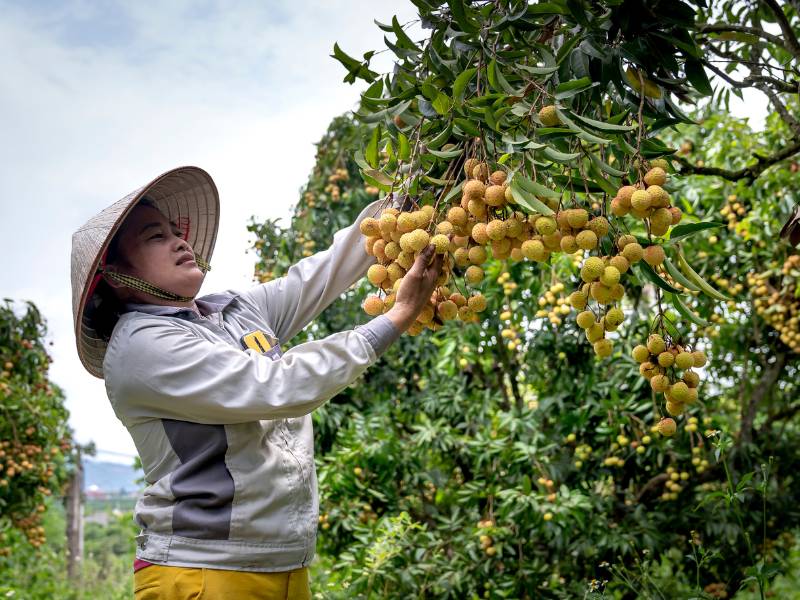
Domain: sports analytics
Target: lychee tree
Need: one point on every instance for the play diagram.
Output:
(503, 455)
(35, 440)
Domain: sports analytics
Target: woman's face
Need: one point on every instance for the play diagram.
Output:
(156, 252)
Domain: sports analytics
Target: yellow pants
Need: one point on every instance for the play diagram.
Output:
(158, 582)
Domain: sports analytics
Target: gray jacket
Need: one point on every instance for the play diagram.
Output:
(220, 415)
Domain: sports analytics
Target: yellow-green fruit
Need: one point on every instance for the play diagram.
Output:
(426, 314)
(513, 227)
(610, 276)
(458, 299)
(692, 396)
(422, 218)
(552, 242)
(469, 165)
(498, 177)
(578, 300)
(615, 316)
(477, 208)
(447, 310)
(568, 244)
(699, 359)
(660, 162)
(677, 215)
(387, 223)
(660, 221)
(461, 257)
(625, 193)
(509, 195)
(595, 332)
(548, 116)
(496, 229)
(633, 252)
(479, 234)
(659, 383)
(691, 379)
(577, 218)
(495, 195)
(585, 319)
(586, 240)
(666, 359)
(545, 225)
(601, 293)
(659, 198)
(617, 291)
(465, 313)
(647, 370)
(388, 302)
(624, 240)
(370, 227)
(674, 408)
(441, 242)
(477, 255)
(477, 303)
(618, 209)
(640, 200)
(654, 255)
(481, 171)
(592, 269)
(373, 306)
(395, 272)
(599, 225)
(534, 250)
(445, 228)
(620, 263)
(473, 274)
(406, 222)
(603, 348)
(406, 259)
(377, 274)
(457, 216)
(474, 189)
(419, 239)
(656, 344)
(392, 250)
(684, 360)
(679, 392)
(667, 427)
(655, 176)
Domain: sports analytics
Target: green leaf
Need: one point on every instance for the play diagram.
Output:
(680, 232)
(402, 39)
(358, 157)
(582, 133)
(355, 68)
(537, 70)
(461, 83)
(696, 75)
(379, 176)
(695, 277)
(528, 200)
(371, 152)
(496, 79)
(648, 273)
(446, 153)
(603, 126)
(404, 152)
(452, 193)
(562, 157)
(442, 103)
(605, 167)
(459, 13)
(467, 126)
(687, 313)
(569, 89)
(675, 273)
(440, 139)
(535, 188)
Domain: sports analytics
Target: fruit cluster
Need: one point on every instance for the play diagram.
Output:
(660, 363)
(776, 302)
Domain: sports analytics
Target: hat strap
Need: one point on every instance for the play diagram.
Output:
(141, 285)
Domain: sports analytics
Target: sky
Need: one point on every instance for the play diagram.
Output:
(98, 98)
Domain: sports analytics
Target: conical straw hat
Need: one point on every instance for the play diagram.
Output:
(186, 195)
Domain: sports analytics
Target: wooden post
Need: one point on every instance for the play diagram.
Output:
(75, 519)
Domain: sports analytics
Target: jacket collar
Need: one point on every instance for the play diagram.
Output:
(208, 304)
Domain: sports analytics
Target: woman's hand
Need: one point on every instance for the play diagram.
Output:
(416, 288)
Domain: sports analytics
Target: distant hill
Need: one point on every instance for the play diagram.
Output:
(110, 477)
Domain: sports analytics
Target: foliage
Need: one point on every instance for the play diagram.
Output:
(477, 464)
(35, 439)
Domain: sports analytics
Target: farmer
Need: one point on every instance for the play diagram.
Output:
(219, 414)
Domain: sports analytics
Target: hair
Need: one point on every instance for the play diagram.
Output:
(105, 308)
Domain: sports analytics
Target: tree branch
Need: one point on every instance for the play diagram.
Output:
(768, 378)
(752, 172)
(723, 27)
(791, 44)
